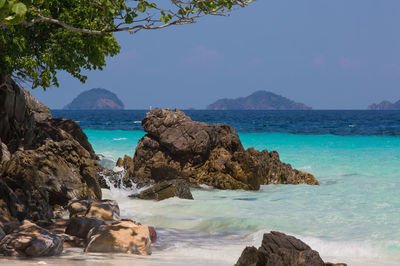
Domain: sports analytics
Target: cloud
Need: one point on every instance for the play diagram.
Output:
(202, 56)
(391, 68)
(319, 61)
(348, 63)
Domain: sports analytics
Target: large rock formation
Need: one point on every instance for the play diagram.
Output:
(176, 147)
(278, 249)
(44, 162)
(385, 105)
(259, 100)
(96, 99)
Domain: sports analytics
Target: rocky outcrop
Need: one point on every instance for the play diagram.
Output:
(175, 147)
(278, 249)
(166, 189)
(96, 99)
(123, 236)
(259, 100)
(36, 180)
(44, 162)
(385, 105)
(32, 241)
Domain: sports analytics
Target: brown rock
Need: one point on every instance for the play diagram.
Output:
(32, 241)
(166, 189)
(51, 175)
(278, 249)
(176, 147)
(105, 210)
(80, 226)
(124, 236)
(49, 161)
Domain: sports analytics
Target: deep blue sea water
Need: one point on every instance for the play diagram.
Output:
(353, 216)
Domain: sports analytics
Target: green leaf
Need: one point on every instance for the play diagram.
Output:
(2, 2)
(19, 9)
(141, 7)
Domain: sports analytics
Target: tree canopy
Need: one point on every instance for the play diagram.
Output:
(40, 37)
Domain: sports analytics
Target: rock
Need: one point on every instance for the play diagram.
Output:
(175, 147)
(74, 130)
(2, 234)
(44, 162)
(153, 234)
(105, 210)
(51, 175)
(40, 111)
(249, 257)
(123, 236)
(165, 190)
(78, 207)
(80, 226)
(259, 100)
(280, 249)
(32, 241)
(96, 99)
(4, 153)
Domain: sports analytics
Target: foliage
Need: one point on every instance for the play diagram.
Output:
(40, 37)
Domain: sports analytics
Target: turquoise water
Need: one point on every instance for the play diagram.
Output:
(353, 216)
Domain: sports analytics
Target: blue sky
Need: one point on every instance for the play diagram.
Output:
(328, 54)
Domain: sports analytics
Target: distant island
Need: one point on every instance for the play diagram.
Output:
(96, 99)
(385, 105)
(259, 100)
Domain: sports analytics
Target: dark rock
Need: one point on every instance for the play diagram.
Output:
(123, 236)
(165, 190)
(36, 180)
(32, 241)
(176, 147)
(74, 130)
(249, 257)
(80, 226)
(278, 249)
(49, 161)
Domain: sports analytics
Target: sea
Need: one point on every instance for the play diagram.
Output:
(352, 217)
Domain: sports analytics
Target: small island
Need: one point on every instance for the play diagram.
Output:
(96, 99)
(385, 105)
(259, 100)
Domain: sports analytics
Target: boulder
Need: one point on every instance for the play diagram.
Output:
(80, 226)
(123, 236)
(166, 189)
(279, 249)
(32, 241)
(105, 210)
(53, 174)
(175, 147)
(44, 162)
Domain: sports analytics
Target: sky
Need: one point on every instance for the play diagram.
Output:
(328, 54)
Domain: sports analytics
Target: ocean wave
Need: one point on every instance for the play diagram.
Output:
(117, 139)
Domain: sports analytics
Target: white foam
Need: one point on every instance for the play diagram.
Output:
(117, 139)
